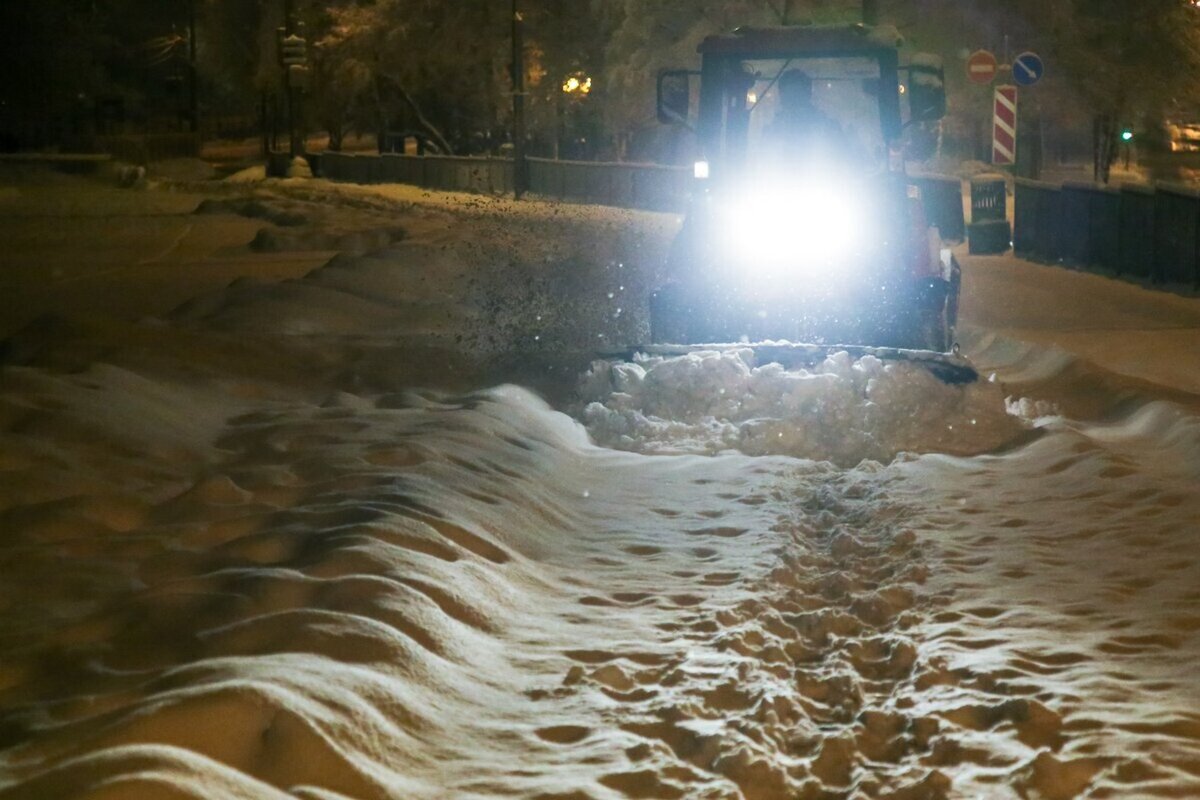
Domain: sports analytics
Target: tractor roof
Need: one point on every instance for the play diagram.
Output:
(804, 40)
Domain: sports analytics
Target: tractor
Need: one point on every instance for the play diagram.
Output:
(820, 240)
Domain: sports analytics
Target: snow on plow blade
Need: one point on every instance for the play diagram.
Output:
(950, 368)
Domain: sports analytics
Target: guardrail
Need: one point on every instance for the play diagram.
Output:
(650, 187)
(1148, 232)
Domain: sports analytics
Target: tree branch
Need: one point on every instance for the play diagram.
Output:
(424, 122)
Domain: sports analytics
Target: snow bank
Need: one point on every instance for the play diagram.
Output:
(1068, 570)
(843, 410)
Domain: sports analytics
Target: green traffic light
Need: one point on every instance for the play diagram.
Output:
(1127, 136)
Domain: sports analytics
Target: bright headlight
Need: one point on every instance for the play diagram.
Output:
(798, 230)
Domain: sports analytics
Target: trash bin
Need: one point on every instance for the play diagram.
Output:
(989, 232)
(989, 198)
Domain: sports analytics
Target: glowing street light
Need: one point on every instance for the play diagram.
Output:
(577, 85)
(575, 89)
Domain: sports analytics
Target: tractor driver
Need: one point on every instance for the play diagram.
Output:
(802, 132)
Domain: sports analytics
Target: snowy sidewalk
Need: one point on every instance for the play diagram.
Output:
(1119, 326)
(77, 246)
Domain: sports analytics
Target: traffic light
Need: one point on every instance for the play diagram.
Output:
(1126, 135)
(293, 51)
(293, 57)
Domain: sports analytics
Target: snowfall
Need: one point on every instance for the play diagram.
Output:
(321, 491)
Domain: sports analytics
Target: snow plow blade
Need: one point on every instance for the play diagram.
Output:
(950, 368)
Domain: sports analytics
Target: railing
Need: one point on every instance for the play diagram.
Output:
(143, 149)
(645, 186)
(1145, 232)
(71, 163)
(1176, 224)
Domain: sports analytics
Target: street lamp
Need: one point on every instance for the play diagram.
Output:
(293, 58)
(193, 82)
(520, 175)
(577, 85)
(575, 88)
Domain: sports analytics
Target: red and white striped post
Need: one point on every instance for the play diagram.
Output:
(1004, 126)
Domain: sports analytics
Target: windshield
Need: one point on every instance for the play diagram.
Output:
(804, 109)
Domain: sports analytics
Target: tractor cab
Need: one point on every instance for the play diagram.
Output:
(845, 80)
(802, 225)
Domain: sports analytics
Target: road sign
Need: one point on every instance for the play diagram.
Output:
(981, 67)
(1028, 69)
(1004, 126)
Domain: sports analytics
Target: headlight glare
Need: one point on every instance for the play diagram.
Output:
(806, 230)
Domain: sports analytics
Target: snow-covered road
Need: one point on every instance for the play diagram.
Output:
(294, 540)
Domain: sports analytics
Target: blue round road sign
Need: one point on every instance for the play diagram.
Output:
(1028, 69)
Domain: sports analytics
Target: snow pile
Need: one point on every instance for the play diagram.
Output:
(843, 410)
(1031, 409)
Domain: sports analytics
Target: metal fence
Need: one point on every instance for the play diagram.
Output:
(147, 148)
(645, 186)
(483, 175)
(1148, 232)
(70, 163)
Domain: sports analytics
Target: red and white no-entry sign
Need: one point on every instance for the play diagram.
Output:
(1004, 126)
(981, 67)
